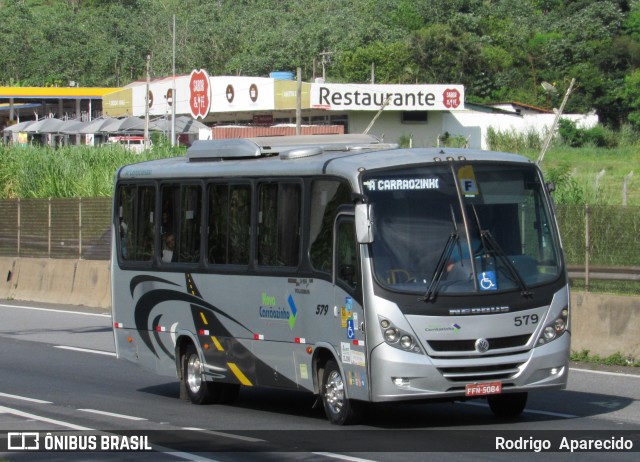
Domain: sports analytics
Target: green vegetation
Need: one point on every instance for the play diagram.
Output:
(72, 171)
(499, 50)
(616, 359)
(583, 172)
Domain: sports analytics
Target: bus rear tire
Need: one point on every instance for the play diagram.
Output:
(507, 405)
(198, 389)
(339, 409)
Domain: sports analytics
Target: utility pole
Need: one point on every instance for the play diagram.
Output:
(552, 130)
(384, 105)
(326, 59)
(299, 103)
(173, 88)
(146, 106)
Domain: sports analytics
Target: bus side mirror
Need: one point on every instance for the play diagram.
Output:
(364, 223)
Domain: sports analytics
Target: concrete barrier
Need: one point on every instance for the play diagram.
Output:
(92, 284)
(75, 282)
(605, 324)
(8, 277)
(602, 324)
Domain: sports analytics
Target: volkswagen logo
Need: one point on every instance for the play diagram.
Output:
(482, 345)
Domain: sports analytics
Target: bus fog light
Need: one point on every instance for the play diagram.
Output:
(554, 371)
(384, 323)
(401, 382)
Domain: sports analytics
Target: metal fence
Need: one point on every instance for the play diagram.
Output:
(596, 238)
(56, 228)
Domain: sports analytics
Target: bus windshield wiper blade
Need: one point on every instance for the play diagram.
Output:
(454, 239)
(430, 295)
(489, 243)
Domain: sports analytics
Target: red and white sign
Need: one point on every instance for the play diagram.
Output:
(451, 98)
(199, 93)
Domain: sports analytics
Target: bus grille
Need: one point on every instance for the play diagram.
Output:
(480, 373)
(469, 345)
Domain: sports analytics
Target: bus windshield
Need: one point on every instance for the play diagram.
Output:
(455, 229)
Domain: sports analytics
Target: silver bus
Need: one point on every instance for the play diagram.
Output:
(344, 267)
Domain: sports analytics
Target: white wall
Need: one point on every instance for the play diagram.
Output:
(389, 125)
(477, 124)
(471, 125)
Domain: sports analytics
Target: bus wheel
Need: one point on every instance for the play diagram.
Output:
(339, 409)
(198, 389)
(507, 405)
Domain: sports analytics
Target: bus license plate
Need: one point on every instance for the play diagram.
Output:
(480, 389)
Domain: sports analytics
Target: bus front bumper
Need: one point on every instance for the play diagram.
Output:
(398, 376)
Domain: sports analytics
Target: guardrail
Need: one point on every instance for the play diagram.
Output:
(610, 273)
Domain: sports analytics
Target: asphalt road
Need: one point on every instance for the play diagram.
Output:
(58, 373)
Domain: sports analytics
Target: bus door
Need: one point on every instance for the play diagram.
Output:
(347, 283)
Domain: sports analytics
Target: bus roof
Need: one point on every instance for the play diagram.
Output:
(339, 155)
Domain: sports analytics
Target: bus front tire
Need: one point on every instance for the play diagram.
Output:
(339, 409)
(507, 405)
(198, 389)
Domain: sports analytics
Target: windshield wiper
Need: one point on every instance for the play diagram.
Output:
(452, 241)
(489, 243)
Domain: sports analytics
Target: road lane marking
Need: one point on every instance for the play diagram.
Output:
(617, 374)
(52, 310)
(342, 457)
(226, 435)
(26, 415)
(24, 398)
(529, 411)
(85, 350)
(112, 414)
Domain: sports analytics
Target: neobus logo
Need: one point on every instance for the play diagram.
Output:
(269, 310)
(481, 310)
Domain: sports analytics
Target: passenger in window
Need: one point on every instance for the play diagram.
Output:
(169, 247)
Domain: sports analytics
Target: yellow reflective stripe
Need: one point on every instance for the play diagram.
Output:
(240, 376)
(204, 320)
(216, 343)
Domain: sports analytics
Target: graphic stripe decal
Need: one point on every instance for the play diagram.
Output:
(217, 343)
(239, 375)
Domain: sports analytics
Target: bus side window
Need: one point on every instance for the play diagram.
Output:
(347, 268)
(189, 245)
(136, 237)
(326, 197)
(279, 224)
(229, 234)
(169, 224)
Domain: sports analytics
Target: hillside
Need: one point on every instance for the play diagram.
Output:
(500, 50)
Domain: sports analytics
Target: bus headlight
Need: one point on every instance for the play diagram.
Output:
(398, 338)
(391, 335)
(554, 329)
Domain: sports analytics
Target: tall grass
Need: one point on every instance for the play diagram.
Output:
(80, 171)
(72, 171)
(583, 175)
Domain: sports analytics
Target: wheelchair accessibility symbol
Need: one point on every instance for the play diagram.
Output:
(487, 280)
(350, 330)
